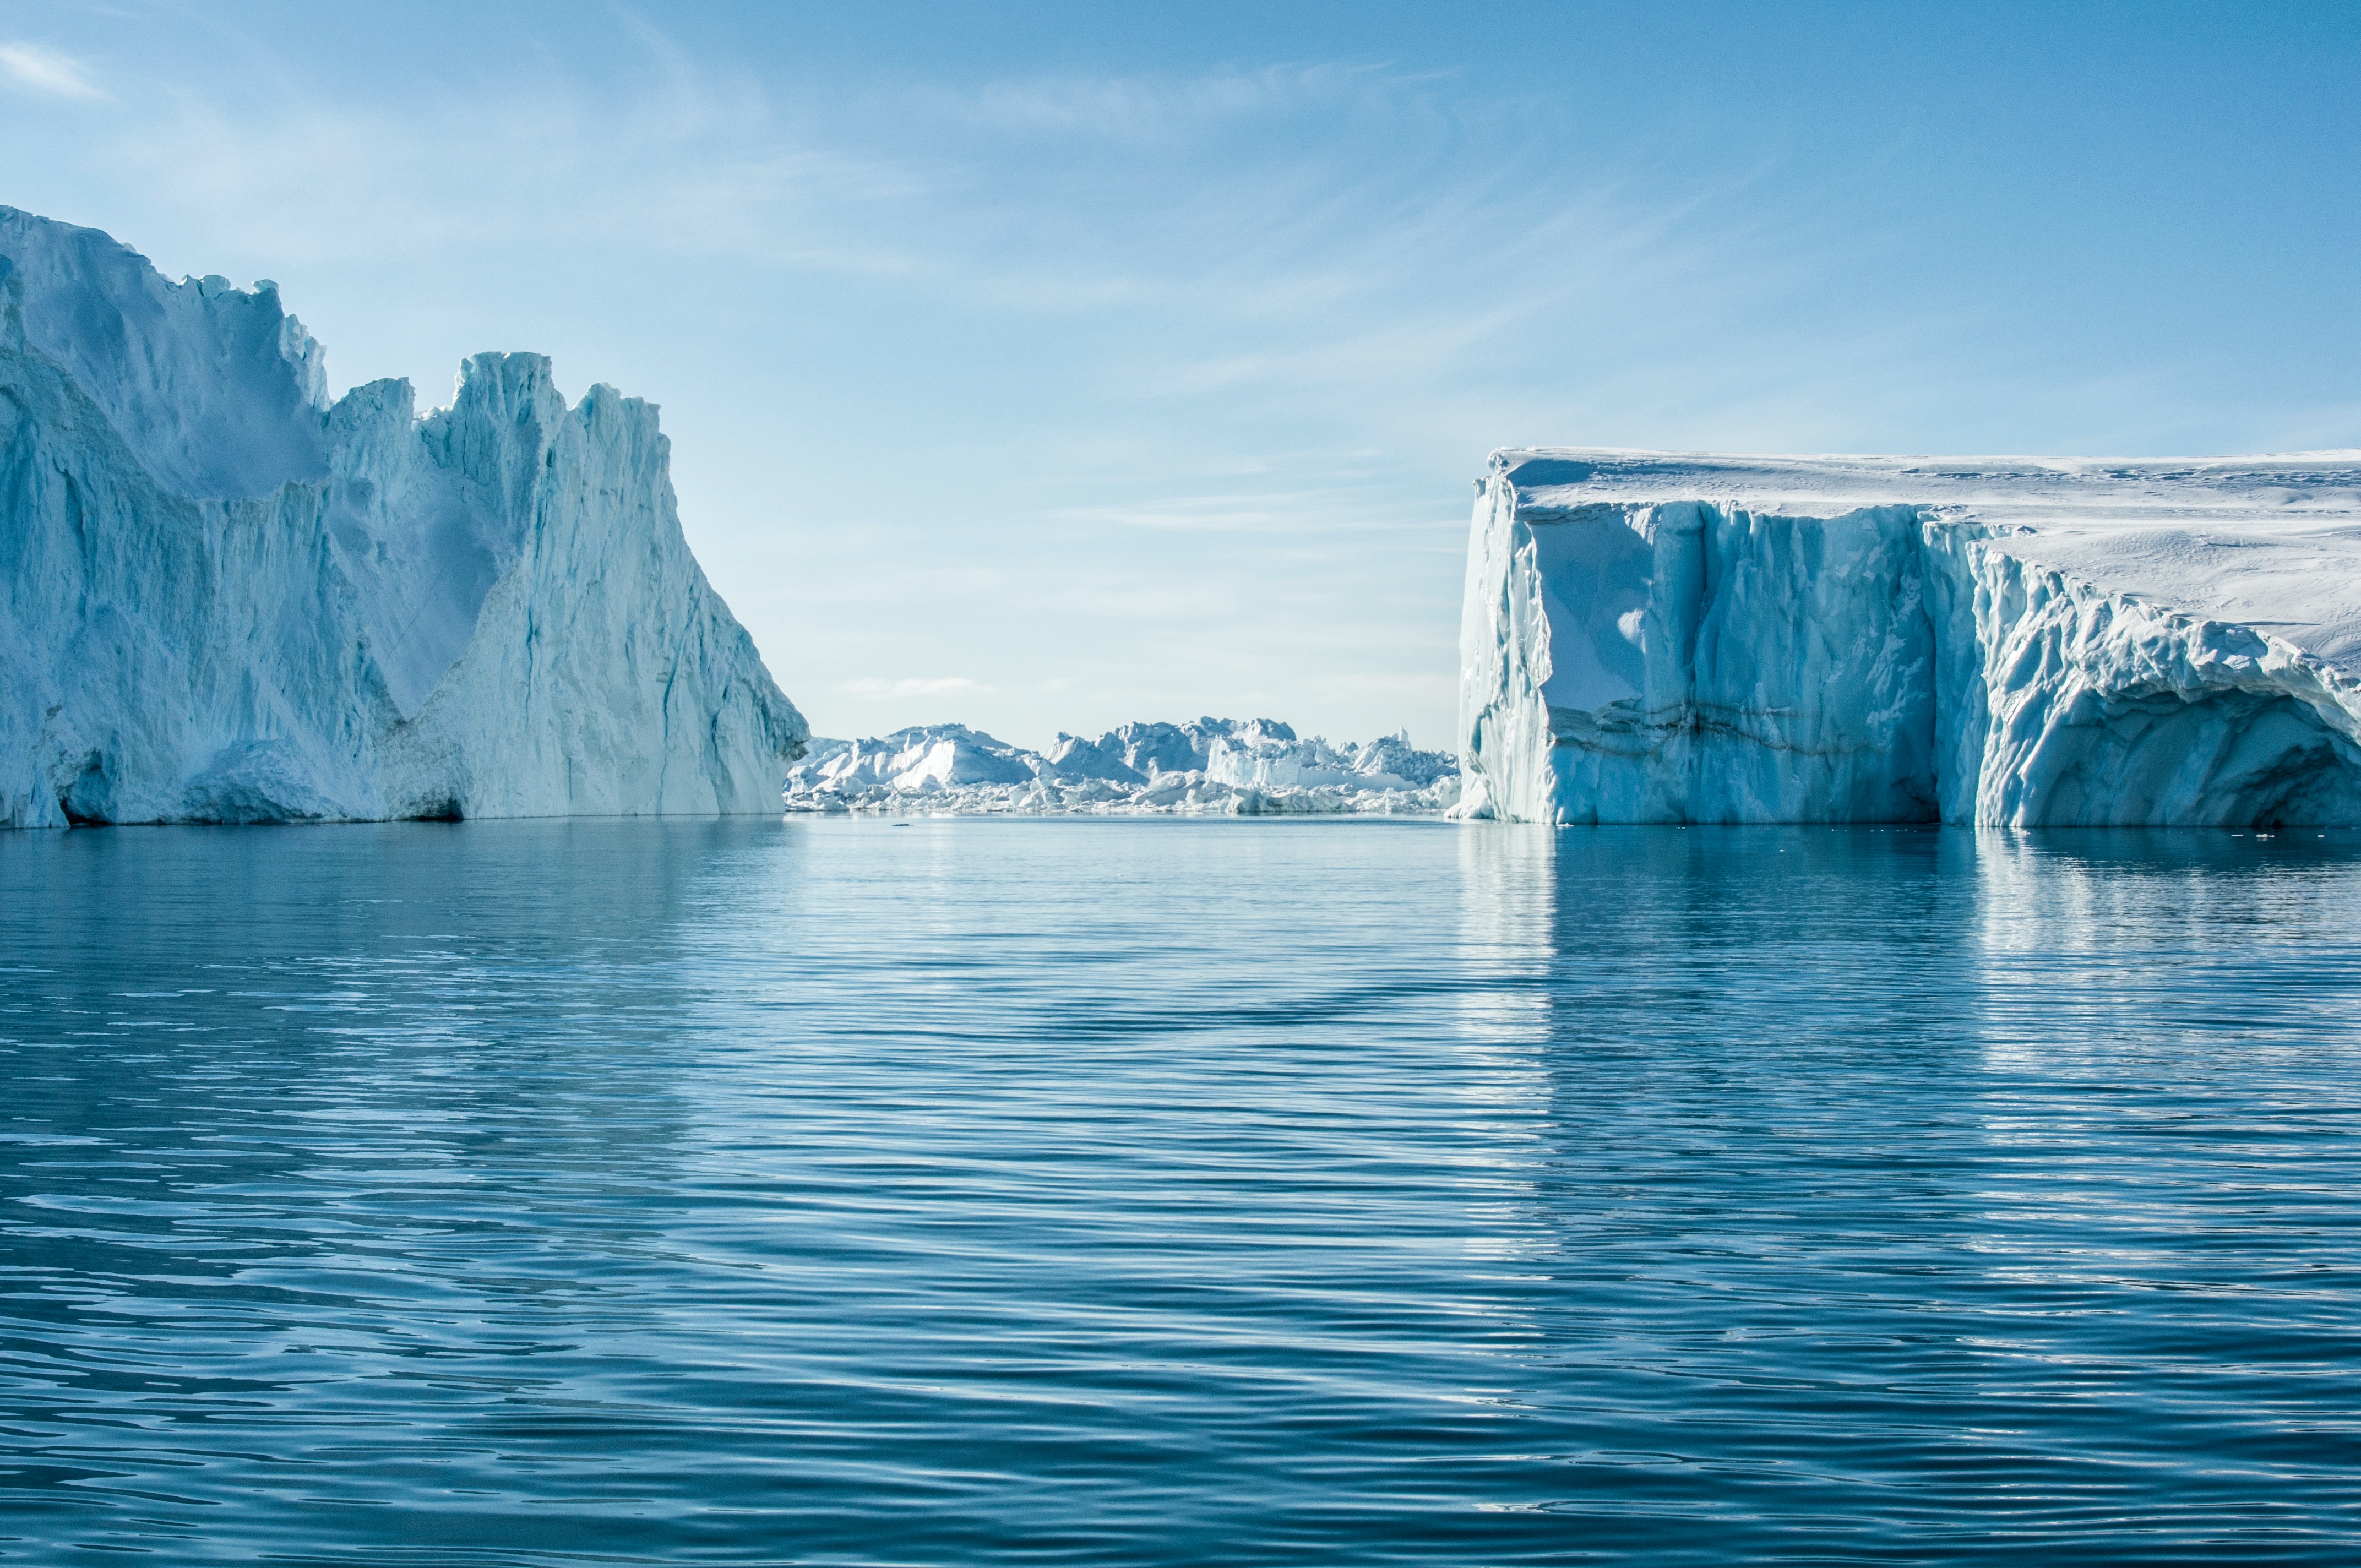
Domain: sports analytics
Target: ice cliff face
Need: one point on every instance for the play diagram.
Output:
(223, 600)
(2010, 642)
(1208, 766)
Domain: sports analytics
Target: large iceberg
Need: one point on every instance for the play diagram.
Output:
(223, 599)
(1652, 637)
(1250, 767)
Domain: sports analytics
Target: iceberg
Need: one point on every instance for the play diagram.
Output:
(1252, 767)
(1661, 637)
(225, 598)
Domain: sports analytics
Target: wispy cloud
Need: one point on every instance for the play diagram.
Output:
(942, 685)
(29, 68)
(1368, 506)
(1144, 108)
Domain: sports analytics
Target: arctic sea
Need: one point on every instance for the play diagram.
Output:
(1154, 1191)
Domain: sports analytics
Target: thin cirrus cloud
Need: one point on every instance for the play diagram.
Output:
(1293, 290)
(687, 157)
(941, 686)
(29, 68)
(1148, 109)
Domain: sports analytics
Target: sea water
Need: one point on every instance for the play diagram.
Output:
(1120, 1191)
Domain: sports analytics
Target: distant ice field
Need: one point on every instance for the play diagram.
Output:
(845, 1190)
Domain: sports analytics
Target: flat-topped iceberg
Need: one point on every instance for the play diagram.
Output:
(1653, 637)
(1205, 767)
(223, 599)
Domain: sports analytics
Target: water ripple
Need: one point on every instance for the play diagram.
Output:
(1103, 1192)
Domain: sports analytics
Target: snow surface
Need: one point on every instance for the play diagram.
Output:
(1242, 767)
(223, 600)
(1657, 637)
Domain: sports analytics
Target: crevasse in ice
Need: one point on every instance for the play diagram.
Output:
(225, 599)
(1652, 637)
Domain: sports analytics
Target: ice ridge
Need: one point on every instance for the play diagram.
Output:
(225, 599)
(1655, 637)
(1207, 766)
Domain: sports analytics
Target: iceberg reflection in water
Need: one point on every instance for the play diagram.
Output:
(1126, 1190)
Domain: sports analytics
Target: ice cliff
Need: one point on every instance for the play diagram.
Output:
(2013, 641)
(225, 599)
(1208, 766)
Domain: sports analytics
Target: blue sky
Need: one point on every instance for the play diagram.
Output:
(1046, 366)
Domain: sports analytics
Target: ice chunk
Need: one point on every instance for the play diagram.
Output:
(1249, 767)
(2026, 641)
(922, 757)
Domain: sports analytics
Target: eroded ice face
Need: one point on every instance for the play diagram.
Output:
(1650, 636)
(216, 390)
(231, 602)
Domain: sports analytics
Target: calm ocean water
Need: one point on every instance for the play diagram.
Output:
(1125, 1192)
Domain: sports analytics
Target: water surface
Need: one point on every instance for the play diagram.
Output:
(1177, 1191)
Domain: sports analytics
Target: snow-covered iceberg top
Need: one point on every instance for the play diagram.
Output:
(1208, 766)
(1668, 637)
(223, 599)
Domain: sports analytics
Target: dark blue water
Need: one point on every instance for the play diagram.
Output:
(1237, 1193)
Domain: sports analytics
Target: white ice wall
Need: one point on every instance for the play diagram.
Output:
(222, 601)
(1653, 637)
